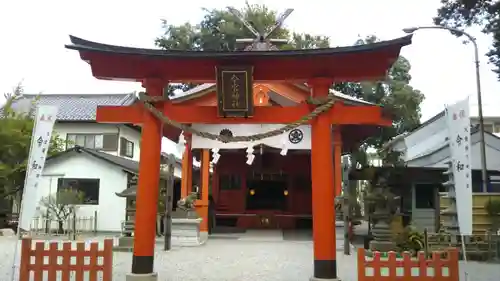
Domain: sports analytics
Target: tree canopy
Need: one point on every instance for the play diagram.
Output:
(15, 142)
(219, 30)
(465, 13)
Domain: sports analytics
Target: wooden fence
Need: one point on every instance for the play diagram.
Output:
(437, 268)
(86, 267)
(485, 247)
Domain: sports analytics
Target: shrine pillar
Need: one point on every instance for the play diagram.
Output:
(323, 194)
(202, 204)
(148, 190)
(337, 160)
(187, 168)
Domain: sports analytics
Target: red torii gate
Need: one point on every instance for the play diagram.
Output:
(319, 68)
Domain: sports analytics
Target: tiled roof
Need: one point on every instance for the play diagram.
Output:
(74, 107)
(128, 165)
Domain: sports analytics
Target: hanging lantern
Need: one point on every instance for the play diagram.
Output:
(285, 192)
(252, 192)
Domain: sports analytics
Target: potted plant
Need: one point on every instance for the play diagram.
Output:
(410, 240)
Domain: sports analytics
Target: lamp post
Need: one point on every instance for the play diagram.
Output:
(484, 168)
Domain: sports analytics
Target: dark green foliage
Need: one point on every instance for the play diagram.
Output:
(464, 13)
(410, 240)
(492, 208)
(219, 30)
(15, 141)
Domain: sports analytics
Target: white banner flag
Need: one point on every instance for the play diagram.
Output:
(458, 121)
(40, 140)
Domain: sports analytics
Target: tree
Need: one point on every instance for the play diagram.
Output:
(465, 13)
(15, 141)
(61, 205)
(219, 30)
(396, 94)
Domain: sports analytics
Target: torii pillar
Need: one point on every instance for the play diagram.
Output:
(147, 191)
(323, 192)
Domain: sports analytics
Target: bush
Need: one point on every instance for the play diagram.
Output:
(410, 240)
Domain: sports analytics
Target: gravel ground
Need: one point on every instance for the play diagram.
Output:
(240, 260)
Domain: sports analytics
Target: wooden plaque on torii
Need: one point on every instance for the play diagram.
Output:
(234, 91)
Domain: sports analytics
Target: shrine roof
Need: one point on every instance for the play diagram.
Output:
(80, 44)
(351, 63)
(205, 88)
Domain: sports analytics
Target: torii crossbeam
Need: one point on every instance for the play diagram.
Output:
(318, 68)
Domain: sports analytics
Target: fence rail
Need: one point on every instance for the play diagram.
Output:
(47, 226)
(87, 266)
(484, 247)
(437, 268)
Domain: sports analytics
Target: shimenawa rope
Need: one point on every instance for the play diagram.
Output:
(323, 106)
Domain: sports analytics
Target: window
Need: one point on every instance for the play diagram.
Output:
(229, 182)
(425, 196)
(126, 148)
(493, 185)
(107, 142)
(88, 187)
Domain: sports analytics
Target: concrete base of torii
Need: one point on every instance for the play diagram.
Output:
(142, 277)
(154, 277)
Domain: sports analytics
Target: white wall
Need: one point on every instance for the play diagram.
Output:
(62, 129)
(111, 208)
(492, 154)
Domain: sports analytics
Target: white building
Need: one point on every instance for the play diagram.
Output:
(100, 159)
(427, 147)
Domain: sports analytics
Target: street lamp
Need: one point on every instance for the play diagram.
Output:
(484, 169)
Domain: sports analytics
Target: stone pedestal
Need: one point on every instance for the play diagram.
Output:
(382, 237)
(125, 244)
(141, 277)
(7, 232)
(186, 232)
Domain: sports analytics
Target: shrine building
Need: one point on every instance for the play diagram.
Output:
(270, 125)
(274, 191)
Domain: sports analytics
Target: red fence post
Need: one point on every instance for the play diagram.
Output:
(53, 253)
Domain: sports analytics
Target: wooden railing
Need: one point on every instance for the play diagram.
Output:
(407, 268)
(485, 247)
(46, 226)
(86, 267)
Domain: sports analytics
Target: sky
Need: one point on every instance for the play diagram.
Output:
(33, 34)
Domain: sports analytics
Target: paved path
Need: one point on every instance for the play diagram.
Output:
(237, 259)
